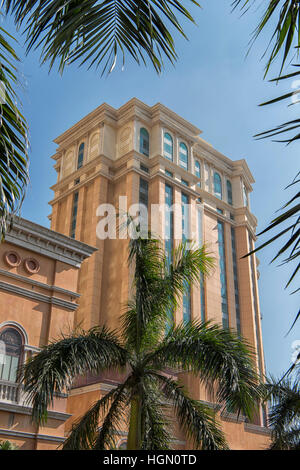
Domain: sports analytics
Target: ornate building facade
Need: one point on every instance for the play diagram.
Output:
(152, 156)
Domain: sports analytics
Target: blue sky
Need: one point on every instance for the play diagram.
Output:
(213, 86)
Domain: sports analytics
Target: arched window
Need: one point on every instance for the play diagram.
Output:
(198, 171)
(144, 141)
(80, 156)
(217, 185)
(12, 341)
(183, 156)
(229, 192)
(168, 146)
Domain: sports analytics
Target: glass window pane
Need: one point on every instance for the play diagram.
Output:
(80, 156)
(168, 147)
(144, 142)
(217, 185)
(183, 156)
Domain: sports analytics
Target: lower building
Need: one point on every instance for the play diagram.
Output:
(38, 298)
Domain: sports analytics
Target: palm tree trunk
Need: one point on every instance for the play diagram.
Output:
(134, 440)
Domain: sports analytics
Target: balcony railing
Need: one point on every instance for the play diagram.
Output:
(11, 392)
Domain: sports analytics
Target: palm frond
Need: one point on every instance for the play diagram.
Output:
(57, 364)
(159, 285)
(218, 356)
(195, 418)
(287, 225)
(157, 428)
(13, 136)
(284, 413)
(285, 36)
(114, 419)
(96, 32)
(84, 430)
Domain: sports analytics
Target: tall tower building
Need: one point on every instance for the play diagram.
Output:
(152, 155)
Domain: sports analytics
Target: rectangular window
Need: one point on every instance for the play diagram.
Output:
(223, 277)
(186, 300)
(184, 182)
(202, 287)
(144, 189)
(169, 234)
(168, 173)
(74, 215)
(236, 282)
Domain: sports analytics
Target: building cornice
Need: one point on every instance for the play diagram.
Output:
(41, 285)
(27, 410)
(12, 288)
(30, 435)
(44, 241)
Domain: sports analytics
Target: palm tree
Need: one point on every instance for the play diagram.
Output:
(13, 135)
(284, 413)
(147, 345)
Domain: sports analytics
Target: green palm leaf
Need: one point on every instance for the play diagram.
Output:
(286, 33)
(284, 414)
(218, 357)
(13, 136)
(96, 32)
(194, 417)
(54, 368)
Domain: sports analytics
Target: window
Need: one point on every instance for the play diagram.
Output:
(229, 192)
(80, 156)
(198, 172)
(183, 156)
(236, 282)
(169, 222)
(12, 354)
(184, 182)
(220, 211)
(202, 287)
(186, 298)
(74, 215)
(168, 146)
(169, 237)
(223, 278)
(144, 142)
(217, 185)
(143, 196)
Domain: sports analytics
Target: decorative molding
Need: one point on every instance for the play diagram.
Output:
(27, 410)
(8, 258)
(5, 286)
(30, 435)
(44, 241)
(256, 429)
(16, 325)
(42, 285)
